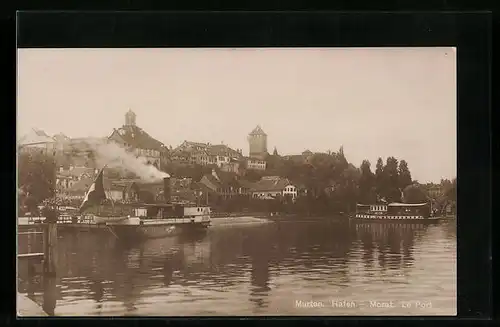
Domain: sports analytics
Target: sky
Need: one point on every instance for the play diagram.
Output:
(375, 102)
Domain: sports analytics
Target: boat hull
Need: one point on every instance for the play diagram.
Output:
(104, 219)
(134, 229)
(141, 232)
(394, 218)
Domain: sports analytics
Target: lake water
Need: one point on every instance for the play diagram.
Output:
(288, 268)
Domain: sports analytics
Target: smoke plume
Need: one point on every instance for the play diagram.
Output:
(115, 156)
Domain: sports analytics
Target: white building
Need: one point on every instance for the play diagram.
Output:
(256, 164)
(272, 187)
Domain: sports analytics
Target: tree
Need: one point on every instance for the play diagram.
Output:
(404, 175)
(342, 159)
(36, 178)
(414, 194)
(380, 178)
(367, 183)
(392, 191)
(451, 193)
(349, 187)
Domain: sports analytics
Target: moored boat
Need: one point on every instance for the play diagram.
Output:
(144, 220)
(160, 220)
(396, 212)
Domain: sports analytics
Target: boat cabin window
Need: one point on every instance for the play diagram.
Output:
(174, 211)
(378, 208)
(409, 210)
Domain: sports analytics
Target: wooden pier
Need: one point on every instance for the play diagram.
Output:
(47, 259)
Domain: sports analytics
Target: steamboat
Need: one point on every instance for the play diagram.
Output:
(396, 212)
(137, 221)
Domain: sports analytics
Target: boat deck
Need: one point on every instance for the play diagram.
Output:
(89, 223)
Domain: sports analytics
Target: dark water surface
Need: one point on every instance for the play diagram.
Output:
(345, 269)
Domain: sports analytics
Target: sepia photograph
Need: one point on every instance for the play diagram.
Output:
(236, 181)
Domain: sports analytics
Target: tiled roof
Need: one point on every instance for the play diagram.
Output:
(202, 187)
(39, 132)
(138, 138)
(271, 178)
(189, 146)
(36, 136)
(225, 179)
(222, 150)
(246, 184)
(198, 144)
(213, 180)
(257, 131)
(271, 184)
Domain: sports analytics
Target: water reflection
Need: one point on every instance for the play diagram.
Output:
(259, 248)
(385, 249)
(244, 270)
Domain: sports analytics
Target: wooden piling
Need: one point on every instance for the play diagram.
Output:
(50, 241)
(50, 246)
(49, 294)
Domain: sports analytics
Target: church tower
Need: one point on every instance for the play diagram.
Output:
(130, 118)
(257, 141)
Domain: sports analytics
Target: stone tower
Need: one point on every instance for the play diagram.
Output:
(130, 118)
(257, 141)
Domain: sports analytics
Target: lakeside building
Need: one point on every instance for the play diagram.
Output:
(222, 184)
(270, 187)
(66, 178)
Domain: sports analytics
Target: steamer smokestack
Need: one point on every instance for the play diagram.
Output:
(166, 189)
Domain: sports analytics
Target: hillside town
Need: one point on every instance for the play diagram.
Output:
(216, 174)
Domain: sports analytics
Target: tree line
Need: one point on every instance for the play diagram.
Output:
(328, 183)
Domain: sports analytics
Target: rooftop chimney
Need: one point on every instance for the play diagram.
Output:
(166, 189)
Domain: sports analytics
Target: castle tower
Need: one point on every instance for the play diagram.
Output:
(130, 118)
(257, 141)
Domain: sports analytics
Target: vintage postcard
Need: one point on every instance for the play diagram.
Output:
(237, 182)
